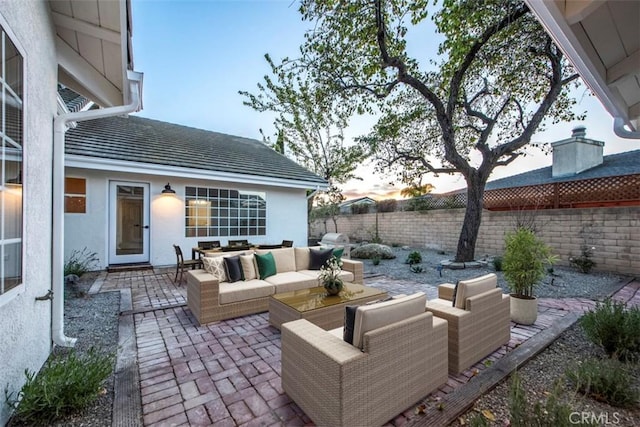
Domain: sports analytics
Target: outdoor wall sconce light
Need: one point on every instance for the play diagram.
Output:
(168, 189)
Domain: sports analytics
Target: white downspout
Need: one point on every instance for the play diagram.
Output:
(59, 128)
(620, 129)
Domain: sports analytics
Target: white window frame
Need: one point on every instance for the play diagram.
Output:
(224, 218)
(6, 297)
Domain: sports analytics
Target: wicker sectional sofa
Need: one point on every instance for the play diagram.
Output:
(210, 299)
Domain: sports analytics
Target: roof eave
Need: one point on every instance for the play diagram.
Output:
(77, 70)
(553, 20)
(95, 163)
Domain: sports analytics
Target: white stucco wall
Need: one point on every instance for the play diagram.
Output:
(286, 215)
(25, 340)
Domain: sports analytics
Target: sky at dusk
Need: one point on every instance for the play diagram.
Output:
(197, 55)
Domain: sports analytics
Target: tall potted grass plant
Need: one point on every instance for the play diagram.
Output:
(524, 264)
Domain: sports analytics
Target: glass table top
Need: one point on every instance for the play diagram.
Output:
(316, 297)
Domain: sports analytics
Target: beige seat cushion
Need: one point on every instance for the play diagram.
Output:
(291, 281)
(346, 276)
(244, 290)
(472, 287)
(285, 258)
(374, 316)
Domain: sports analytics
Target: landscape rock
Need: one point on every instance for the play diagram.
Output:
(373, 250)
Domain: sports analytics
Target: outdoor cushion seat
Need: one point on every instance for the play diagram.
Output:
(244, 290)
(346, 276)
(339, 384)
(291, 281)
(478, 324)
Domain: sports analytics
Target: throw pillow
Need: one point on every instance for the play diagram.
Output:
(455, 293)
(233, 268)
(215, 266)
(338, 253)
(349, 319)
(248, 267)
(319, 257)
(266, 265)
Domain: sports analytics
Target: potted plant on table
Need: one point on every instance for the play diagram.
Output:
(524, 264)
(329, 276)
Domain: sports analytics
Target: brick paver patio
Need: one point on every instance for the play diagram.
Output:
(228, 373)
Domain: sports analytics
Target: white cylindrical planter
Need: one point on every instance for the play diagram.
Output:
(524, 310)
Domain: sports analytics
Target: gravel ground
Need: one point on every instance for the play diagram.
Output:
(93, 319)
(539, 377)
(565, 282)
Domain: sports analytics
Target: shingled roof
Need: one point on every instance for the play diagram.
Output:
(138, 139)
(627, 163)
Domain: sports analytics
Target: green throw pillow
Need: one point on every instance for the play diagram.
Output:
(266, 265)
(338, 253)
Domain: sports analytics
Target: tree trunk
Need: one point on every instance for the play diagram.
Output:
(472, 218)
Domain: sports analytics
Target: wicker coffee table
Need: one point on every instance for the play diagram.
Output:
(317, 307)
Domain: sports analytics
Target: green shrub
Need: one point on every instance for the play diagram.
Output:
(65, 384)
(388, 205)
(614, 327)
(497, 263)
(414, 258)
(80, 262)
(375, 260)
(606, 380)
(551, 412)
(416, 268)
(524, 260)
(584, 263)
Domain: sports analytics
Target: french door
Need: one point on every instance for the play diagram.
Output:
(128, 222)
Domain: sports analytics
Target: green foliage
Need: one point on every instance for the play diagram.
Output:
(419, 203)
(360, 208)
(477, 420)
(497, 263)
(64, 385)
(614, 326)
(584, 263)
(605, 380)
(388, 205)
(79, 262)
(524, 260)
(375, 260)
(466, 101)
(309, 123)
(414, 257)
(416, 268)
(551, 413)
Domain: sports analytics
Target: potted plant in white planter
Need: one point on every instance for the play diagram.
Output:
(524, 264)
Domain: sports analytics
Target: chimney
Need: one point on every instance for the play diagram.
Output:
(576, 154)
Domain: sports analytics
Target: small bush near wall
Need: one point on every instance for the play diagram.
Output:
(64, 385)
(388, 205)
(79, 262)
(360, 208)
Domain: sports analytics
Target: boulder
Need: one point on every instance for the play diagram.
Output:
(372, 250)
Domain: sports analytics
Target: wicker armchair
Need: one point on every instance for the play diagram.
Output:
(478, 319)
(338, 384)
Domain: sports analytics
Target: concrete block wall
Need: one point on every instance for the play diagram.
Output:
(613, 232)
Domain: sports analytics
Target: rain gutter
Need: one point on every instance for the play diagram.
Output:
(60, 126)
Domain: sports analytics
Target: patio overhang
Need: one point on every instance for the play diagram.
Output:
(601, 38)
(93, 46)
